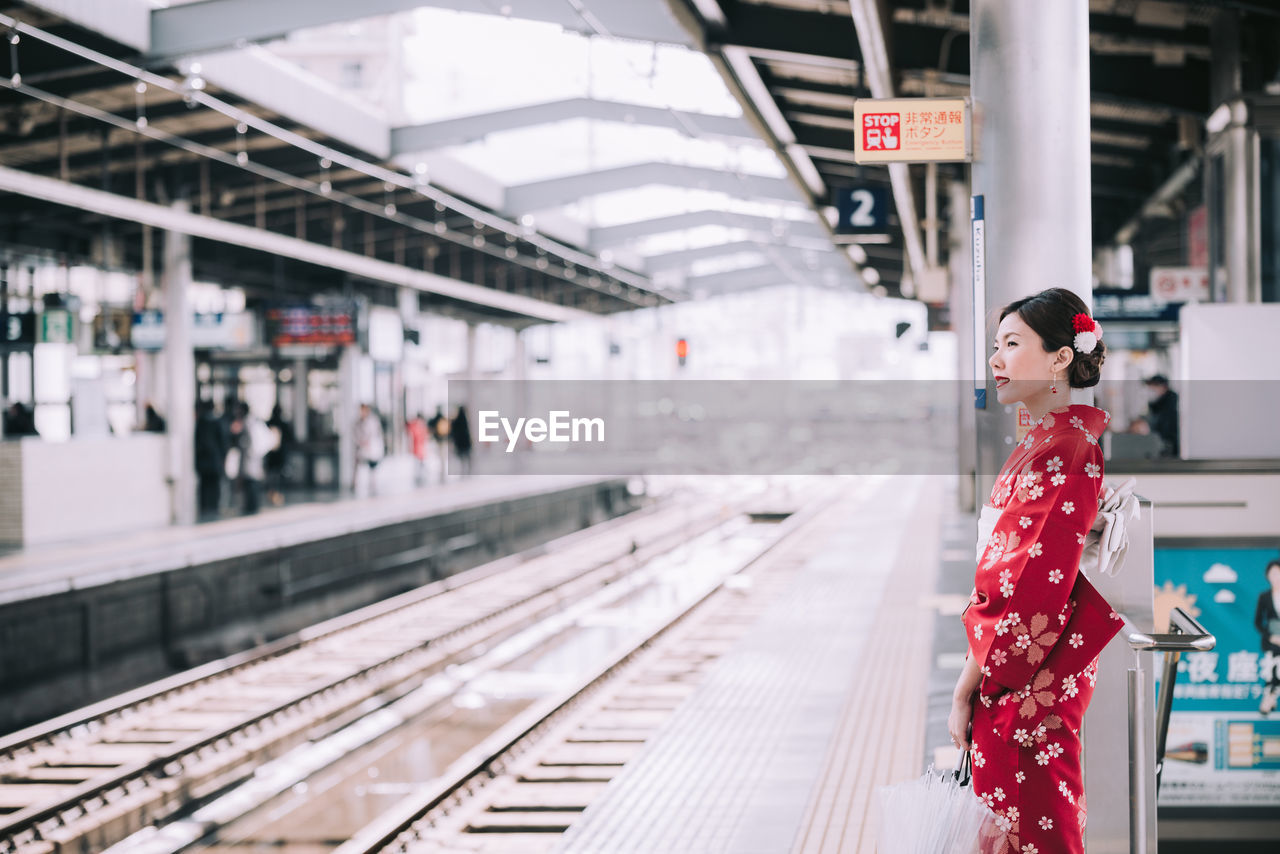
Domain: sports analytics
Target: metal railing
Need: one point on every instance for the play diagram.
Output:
(1184, 635)
(1122, 806)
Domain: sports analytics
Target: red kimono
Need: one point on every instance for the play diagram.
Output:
(1036, 626)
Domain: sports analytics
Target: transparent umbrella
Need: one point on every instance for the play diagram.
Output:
(936, 813)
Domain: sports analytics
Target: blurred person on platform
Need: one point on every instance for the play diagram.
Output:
(1266, 619)
(460, 433)
(370, 449)
(419, 439)
(278, 457)
(19, 420)
(1162, 413)
(256, 440)
(152, 420)
(438, 426)
(212, 444)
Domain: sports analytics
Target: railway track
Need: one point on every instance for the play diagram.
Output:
(524, 786)
(91, 778)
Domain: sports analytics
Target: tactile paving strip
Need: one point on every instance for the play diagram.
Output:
(735, 769)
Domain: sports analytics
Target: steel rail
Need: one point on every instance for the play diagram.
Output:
(488, 759)
(30, 824)
(43, 733)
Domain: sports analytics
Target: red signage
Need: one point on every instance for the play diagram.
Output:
(881, 132)
(311, 324)
(1179, 284)
(911, 130)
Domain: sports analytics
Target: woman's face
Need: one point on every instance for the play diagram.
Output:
(1273, 575)
(1021, 367)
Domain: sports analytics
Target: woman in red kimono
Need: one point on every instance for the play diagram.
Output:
(1035, 625)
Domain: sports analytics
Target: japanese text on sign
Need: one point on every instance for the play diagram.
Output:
(1179, 284)
(911, 130)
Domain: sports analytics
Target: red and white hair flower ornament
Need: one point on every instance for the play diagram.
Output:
(1088, 332)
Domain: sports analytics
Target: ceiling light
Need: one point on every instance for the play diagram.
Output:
(857, 253)
(871, 275)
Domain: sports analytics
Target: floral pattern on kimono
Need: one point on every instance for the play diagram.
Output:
(1036, 627)
(1030, 603)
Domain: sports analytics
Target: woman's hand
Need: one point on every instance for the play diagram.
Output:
(959, 721)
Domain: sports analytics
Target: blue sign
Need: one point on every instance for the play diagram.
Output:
(863, 210)
(17, 329)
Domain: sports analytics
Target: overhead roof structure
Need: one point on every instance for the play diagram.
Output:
(145, 100)
(102, 97)
(531, 193)
(802, 63)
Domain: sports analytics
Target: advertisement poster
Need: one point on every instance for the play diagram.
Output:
(1223, 747)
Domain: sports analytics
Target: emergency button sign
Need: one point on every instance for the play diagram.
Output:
(880, 132)
(911, 130)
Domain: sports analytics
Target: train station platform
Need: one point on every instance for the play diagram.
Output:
(828, 696)
(91, 617)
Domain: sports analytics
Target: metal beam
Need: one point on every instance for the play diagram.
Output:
(260, 77)
(553, 192)
(772, 32)
(210, 25)
(794, 255)
(208, 228)
(872, 40)
(737, 280)
(425, 137)
(615, 235)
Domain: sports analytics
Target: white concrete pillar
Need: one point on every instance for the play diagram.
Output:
(300, 401)
(345, 417)
(1030, 82)
(469, 371)
(179, 372)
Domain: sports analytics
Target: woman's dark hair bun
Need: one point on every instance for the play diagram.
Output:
(1086, 368)
(1049, 313)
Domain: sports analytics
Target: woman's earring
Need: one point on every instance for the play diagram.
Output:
(1053, 385)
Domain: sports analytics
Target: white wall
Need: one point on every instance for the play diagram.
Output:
(92, 486)
(1229, 402)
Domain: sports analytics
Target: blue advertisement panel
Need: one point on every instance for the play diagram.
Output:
(1223, 747)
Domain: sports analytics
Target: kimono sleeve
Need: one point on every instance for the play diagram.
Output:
(1022, 596)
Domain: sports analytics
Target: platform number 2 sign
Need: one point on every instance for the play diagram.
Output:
(863, 210)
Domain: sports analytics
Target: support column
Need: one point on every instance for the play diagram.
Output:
(1231, 179)
(4, 346)
(348, 406)
(179, 372)
(469, 370)
(301, 429)
(1030, 81)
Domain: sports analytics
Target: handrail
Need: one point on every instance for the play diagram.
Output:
(1185, 635)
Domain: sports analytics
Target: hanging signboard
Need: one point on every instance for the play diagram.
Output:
(209, 331)
(911, 130)
(1180, 284)
(862, 210)
(17, 329)
(56, 326)
(314, 325)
